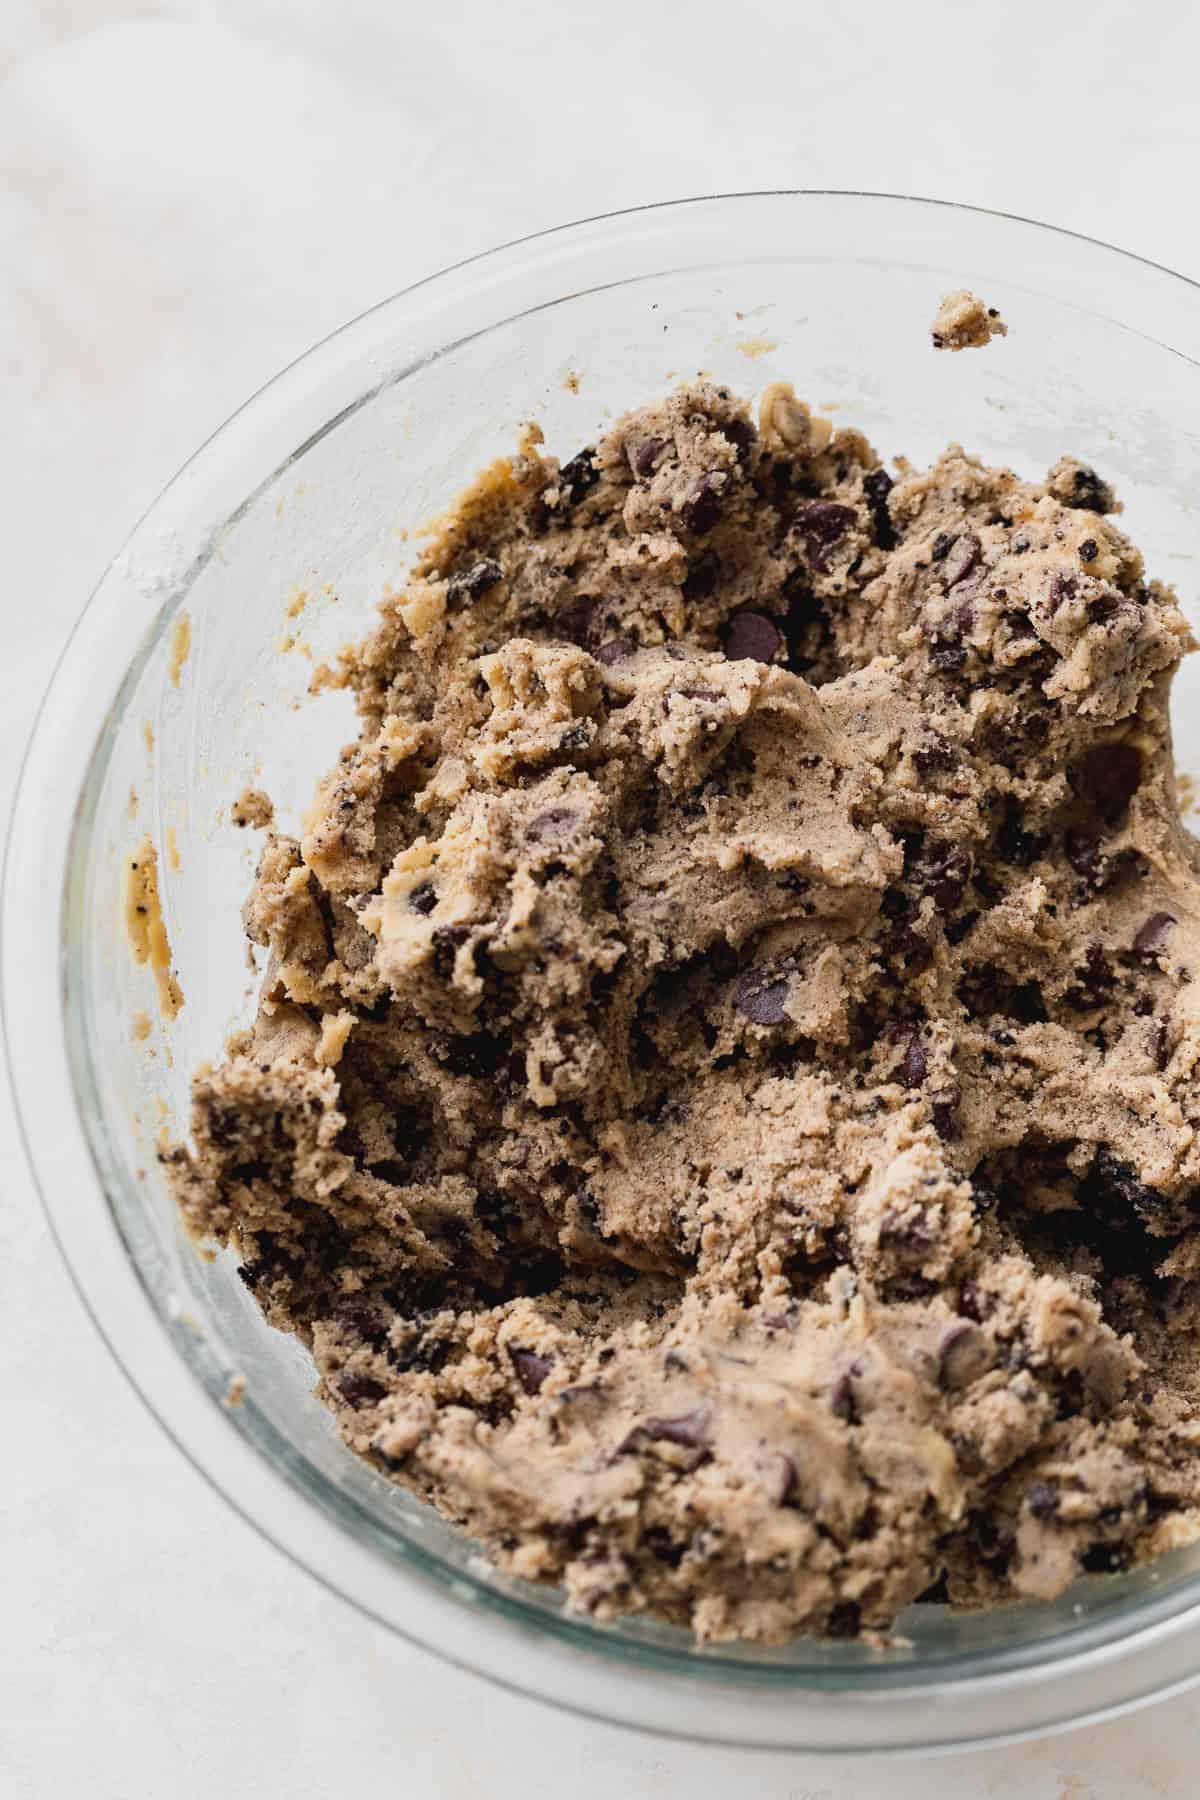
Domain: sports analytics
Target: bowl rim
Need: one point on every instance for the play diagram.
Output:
(1164, 1615)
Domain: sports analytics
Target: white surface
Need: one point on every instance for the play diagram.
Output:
(190, 194)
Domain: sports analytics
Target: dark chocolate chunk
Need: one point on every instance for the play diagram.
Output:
(469, 583)
(961, 558)
(617, 650)
(752, 637)
(1089, 550)
(877, 485)
(1160, 1052)
(823, 524)
(941, 546)
(915, 1066)
(1152, 935)
(423, 898)
(578, 477)
(645, 454)
(704, 501)
(935, 754)
(1116, 1180)
(942, 871)
(446, 941)
(943, 1107)
(688, 1430)
(762, 997)
(1093, 979)
(530, 1369)
(1105, 606)
(1042, 1500)
(1089, 493)
(1062, 588)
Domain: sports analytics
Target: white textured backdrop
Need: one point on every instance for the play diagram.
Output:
(191, 193)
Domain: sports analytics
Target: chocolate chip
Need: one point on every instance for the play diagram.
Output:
(1042, 1500)
(1094, 978)
(1089, 493)
(688, 1430)
(961, 559)
(1152, 935)
(704, 501)
(1062, 588)
(530, 1369)
(943, 1107)
(617, 650)
(915, 1066)
(694, 693)
(1089, 550)
(644, 454)
(446, 941)
(358, 1389)
(751, 637)
(423, 898)
(962, 1355)
(876, 487)
(935, 754)
(823, 524)
(762, 997)
(1160, 1053)
(469, 583)
(1105, 606)
(1114, 1179)
(577, 477)
(941, 546)
(701, 577)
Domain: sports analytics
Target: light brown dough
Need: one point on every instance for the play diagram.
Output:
(722, 1111)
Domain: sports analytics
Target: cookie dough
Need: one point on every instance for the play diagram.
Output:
(963, 322)
(722, 1111)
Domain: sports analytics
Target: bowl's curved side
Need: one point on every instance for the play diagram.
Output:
(63, 841)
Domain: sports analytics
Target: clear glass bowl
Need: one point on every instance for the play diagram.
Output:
(285, 528)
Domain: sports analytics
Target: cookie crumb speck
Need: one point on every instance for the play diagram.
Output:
(964, 322)
(252, 808)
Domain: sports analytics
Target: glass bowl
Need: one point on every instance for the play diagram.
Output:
(276, 541)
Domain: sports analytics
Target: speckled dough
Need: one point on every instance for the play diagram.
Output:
(964, 322)
(721, 1109)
